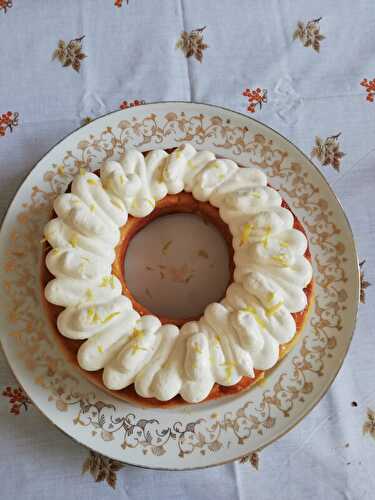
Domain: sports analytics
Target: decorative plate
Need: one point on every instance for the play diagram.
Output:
(191, 436)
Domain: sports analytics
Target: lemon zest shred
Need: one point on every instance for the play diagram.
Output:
(92, 182)
(166, 247)
(229, 367)
(284, 244)
(281, 259)
(135, 203)
(104, 282)
(246, 231)
(110, 316)
(196, 348)
(137, 334)
(82, 171)
(136, 347)
(74, 241)
(151, 202)
(55, 251)
(61, 170)
(100, 348)
(267, 233)
(270, 311)
(107, 281)
(117, 203)
(160, 173)
(89, 294)
(251, 310)
(92, 207)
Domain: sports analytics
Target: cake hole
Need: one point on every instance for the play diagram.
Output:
(177, 265)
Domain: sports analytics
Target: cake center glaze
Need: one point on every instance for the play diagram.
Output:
(241, 333)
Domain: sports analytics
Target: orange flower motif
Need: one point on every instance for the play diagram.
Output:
(255, 98)
(5, 5)
(118, 3)
(8, 121)
(126, 104)
(370, 89)
(17, 398)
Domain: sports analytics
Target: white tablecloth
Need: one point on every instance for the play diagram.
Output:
(131, 54)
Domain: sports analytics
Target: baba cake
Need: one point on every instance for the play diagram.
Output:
(123, 347)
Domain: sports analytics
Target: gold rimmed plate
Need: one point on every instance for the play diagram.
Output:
(191, 436)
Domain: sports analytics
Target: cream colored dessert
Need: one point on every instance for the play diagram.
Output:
(234, 337)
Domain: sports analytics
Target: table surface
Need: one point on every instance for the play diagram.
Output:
(310, 61)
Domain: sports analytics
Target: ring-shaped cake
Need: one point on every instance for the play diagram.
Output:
(157, 360)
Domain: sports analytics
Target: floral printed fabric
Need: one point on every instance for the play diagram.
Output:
(303, 68)
(5, 5)
(8, 121)
(70, 54)
(192, 44)
(309, 34)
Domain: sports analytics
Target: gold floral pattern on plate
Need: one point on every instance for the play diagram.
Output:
(187, 434)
